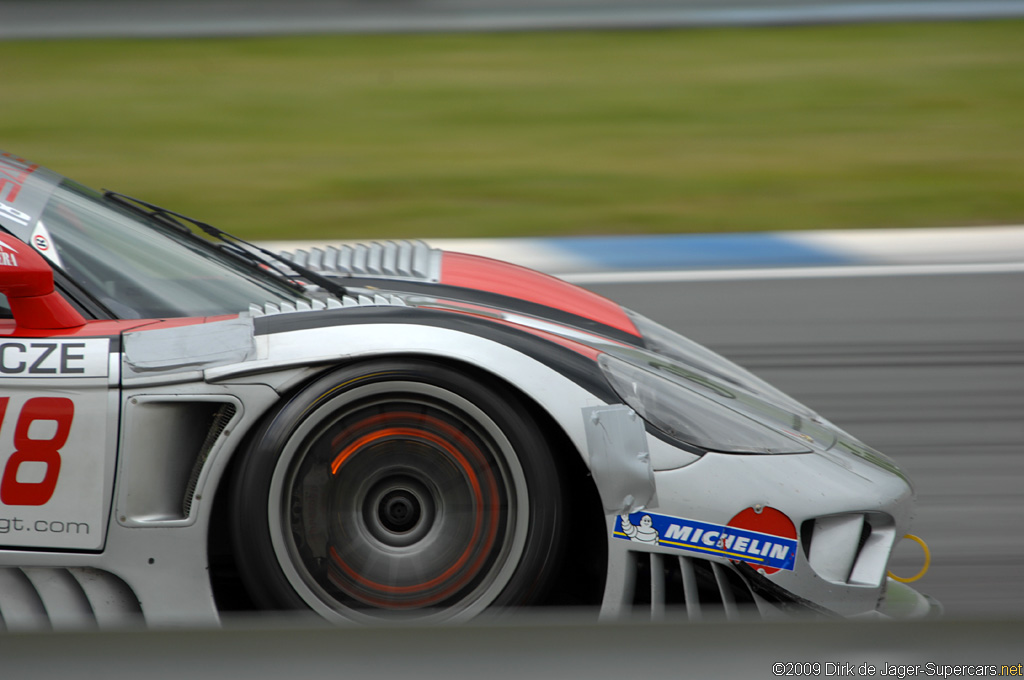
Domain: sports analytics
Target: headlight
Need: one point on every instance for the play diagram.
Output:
(661, 340)
(688, 417)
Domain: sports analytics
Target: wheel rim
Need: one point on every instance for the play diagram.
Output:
(398, 498)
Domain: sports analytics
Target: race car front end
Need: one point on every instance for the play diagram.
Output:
(720, 492)
(754, 504)
(391, 431)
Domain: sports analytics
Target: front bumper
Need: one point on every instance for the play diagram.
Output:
(846, 515)
(904, 603)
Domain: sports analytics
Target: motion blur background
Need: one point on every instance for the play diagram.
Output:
(433, 118)
(792, 125)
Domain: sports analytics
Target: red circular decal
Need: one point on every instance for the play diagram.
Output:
(768, 521)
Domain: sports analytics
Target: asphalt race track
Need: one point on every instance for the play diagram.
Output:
(926, 368)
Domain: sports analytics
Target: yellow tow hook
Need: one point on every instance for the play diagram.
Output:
(924, 569)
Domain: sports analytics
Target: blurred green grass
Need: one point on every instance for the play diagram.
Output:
(539, 133)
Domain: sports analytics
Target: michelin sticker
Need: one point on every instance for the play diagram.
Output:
(753, 547)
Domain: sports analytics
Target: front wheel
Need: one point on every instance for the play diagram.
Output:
(397, 488)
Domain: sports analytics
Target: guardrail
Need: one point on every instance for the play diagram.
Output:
(553, 646)
(21, 19)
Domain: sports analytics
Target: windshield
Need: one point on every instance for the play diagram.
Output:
(138, 267)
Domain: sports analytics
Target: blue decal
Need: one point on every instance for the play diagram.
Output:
(756, 548)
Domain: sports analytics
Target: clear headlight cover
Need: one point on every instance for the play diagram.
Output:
(688, 417)
(664, 341)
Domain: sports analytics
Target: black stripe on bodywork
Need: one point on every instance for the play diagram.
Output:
(576, 367)
(497, 301)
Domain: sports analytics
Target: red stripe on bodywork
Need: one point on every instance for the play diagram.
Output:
(569, 343)
(503, 278)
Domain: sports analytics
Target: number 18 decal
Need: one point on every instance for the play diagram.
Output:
(59, 410)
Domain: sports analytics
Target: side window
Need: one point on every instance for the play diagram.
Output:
(5, 309)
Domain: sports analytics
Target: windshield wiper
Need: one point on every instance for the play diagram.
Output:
(248, 252)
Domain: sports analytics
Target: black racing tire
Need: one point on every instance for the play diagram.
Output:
(397, 487)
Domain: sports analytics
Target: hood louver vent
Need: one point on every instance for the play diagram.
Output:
(408, 260)
(270, 308)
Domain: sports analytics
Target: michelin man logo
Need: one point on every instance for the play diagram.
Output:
(645, 533)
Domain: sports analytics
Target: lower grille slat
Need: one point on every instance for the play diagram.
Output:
(690, 588)
(21, 608)
(66, 604)
(732, 611)
(660, 586)
(43, 598)
(657, 587)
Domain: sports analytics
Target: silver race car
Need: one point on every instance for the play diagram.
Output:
(192, 425)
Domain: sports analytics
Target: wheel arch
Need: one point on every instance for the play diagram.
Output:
(579, 581)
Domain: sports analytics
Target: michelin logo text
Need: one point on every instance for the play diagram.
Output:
(755, 548)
